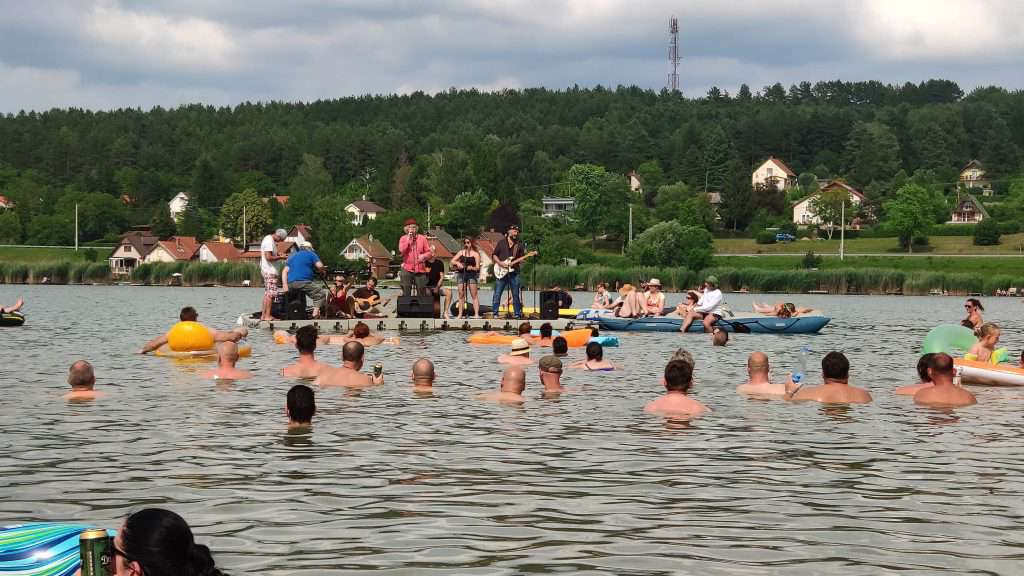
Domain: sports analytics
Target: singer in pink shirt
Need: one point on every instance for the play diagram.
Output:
(414, 250)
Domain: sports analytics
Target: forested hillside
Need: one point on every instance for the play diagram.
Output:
(465, 152)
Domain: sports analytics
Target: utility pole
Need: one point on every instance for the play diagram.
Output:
(673, 54)
(842, 231)
(76, 226)
(244, 231)
(629, 238)
(428, 216)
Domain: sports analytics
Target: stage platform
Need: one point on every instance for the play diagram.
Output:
(342, 326)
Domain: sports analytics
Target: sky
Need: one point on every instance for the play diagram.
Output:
(104, 54)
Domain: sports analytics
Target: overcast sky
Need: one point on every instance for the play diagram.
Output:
(103, 54)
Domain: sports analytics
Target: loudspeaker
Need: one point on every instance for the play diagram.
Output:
(415, 306)
(296, 305)
(278, 308)
(549, 305)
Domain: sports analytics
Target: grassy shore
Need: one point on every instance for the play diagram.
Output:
(44, 254)
(938, 245)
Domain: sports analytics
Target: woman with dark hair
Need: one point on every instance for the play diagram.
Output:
(466, 263)
(974, 310)
(157, 542)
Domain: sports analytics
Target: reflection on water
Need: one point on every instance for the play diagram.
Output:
(585, 482)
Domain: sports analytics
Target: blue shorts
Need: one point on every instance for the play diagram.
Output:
(468, 277)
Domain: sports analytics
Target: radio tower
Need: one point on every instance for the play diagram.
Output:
(673, 54)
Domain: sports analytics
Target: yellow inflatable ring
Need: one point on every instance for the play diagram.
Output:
(208, 354)
(189, 337)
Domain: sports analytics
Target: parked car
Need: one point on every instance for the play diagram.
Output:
(784, 237)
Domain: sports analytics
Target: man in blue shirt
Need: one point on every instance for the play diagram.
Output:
(300, 271)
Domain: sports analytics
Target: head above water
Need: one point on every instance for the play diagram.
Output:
(227, 352)
(423, 372)
(525, 328)
(595, 351)
(940, 367)
(550, 365)
(301, 404)
(81, 375)
(560, 346)
(972, 304)
(305, 339)
(546, 330)
(988, 330)
(513, 380)
(162, 544)
(757, 363)
(361, 330)
(685, 356)
(835, 366)
(922, 366)
(352, 352)
(719, 337)
(678, 376)
(520, 347)
(188, 314)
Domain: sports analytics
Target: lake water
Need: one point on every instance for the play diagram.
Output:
(586, 483)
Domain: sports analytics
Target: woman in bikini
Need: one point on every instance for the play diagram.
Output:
(466, 263)
(595, 361)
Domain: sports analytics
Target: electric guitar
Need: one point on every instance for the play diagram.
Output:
(364, 305)
(501, 268)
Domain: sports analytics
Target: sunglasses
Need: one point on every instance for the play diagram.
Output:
(119, 552)
(968, 306)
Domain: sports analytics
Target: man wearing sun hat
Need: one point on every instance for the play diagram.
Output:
(520, 353)
(654, 298)
(415, 250)
(708, 308)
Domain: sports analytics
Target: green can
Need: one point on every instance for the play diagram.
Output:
(96, 549)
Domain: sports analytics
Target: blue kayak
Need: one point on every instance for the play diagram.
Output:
(752, 324)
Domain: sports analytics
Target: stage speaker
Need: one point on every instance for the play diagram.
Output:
(415, 306)
(549, 305)
(295, 305)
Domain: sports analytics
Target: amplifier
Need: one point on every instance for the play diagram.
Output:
(415, 306)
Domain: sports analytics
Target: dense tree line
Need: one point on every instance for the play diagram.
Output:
(466, 153)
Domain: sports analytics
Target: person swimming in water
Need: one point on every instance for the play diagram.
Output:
(300, 406)
(944, 393)
(835, 369)
(675, 402)
(82, 381)
(758, 382)
(922, 373)
(519, 354)
(307, 366)
(189, 314)
(227, 357)
(595, 361)
(513, 383)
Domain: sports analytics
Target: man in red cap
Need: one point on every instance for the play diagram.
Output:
(414, 250)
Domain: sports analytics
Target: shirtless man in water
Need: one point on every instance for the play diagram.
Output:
(835, 369)
(675, 402)
(227, 356)
(513, 382)
(518, 355)
(189, 314)
(307, 366)
(758, 384)
(943, 393)
(360, 333)
(82, 381)
(423, 376)
(349, 374)
(922, 373)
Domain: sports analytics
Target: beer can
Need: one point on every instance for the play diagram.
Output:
(96, 550)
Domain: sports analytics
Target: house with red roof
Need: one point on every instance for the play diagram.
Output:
(174, 249)
(774, 171)
(6, 203)
(803, 210)
(211, 251)
(373, 251)
(132, 250)
(363, 210)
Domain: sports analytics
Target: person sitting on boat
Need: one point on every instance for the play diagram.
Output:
(300, 273)
(595, 361)
(189, 314)
(988, 337)
(513, 382)
(708, 308)
(974, 310)
(13, 308)
(781, 309)
(519, 354)
(758, 382)
(654, 298)
(227, 357)
(601, 298)
(922, 374)
(300, 404)
(689, 304)
(835, 369)
(349, 374)
(365, 302)
(630, 303)
(307, 366)
(82, 381)
(678, 382)
(943, 393)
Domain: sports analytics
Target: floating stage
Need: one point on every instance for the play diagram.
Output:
(344, 325)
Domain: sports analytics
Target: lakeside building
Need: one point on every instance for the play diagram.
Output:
(131, 250)
(174, 249)
(774, 172)
(973, 178)
(635, 184)
(371, 250)
(6, 203)
(803, 209)
(211, 251)
(363, 210)
(177, 205)
(558, 206)
(300, 233)
(968, 210)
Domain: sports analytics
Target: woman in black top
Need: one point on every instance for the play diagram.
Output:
(466, 263)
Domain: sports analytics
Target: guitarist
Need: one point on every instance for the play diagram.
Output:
(365, 302)
(509, 249)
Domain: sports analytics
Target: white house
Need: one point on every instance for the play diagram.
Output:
(372, 251)
(219, 252)
(558, 206)
(178, 204)
(131, 251)
(968, 211)
(973, 176)
(803, 212)
(774, 171)
(300, 233)
(174, 249)
(363, 210)
(635, 185)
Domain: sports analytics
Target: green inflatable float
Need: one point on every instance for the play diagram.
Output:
(949, 338)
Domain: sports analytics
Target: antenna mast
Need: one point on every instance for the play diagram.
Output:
(673, 54)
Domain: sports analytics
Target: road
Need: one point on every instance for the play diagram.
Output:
(881, 255)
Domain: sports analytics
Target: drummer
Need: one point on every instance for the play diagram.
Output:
(189, 314)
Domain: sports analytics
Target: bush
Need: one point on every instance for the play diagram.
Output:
(1009, 227)
(986, 233)
(765, 237)
(952, 230)
(672, 244)
(90, 255)
(810, 260)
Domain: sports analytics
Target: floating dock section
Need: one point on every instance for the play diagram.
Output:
(343, 326)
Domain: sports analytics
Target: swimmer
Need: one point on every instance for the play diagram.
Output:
(988, 337)
(545, 335)
(423, 375)
(513, 382)
(719, 337)
(360, 333)
(944, 394)
(153, 541)
(684, 355)
(307, 366)
(758, 382)
(560, 346)
(300, 406)
(82, 381)
(520, 353)
(781, 309)
(551, 375)
(14, 308)
(835, 369)
(524, 332)
(189, 314)
(675, 402)
(595, 361)
(922, 373)
(227, 357)
(349, 374)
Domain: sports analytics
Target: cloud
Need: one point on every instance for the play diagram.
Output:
(110, 53)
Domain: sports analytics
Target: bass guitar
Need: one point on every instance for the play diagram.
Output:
(501, 268)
